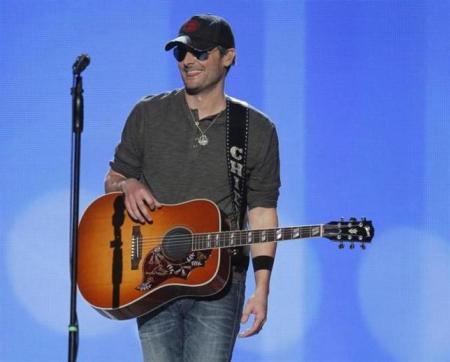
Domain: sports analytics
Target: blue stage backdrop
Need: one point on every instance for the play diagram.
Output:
(359, 92)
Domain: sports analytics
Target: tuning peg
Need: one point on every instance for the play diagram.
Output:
(341, 245)
(353, 219)
(363, 246)
(352, 245)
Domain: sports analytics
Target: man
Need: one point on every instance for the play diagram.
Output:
(172, 150)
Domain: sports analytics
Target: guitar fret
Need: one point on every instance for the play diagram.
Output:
(208, 240)
(241, 238)
(217, 240)
(263, 236)
(315, 231)
(279, 234)
(257, 237)
(272, 233)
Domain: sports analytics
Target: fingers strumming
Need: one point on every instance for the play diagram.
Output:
(130, 210)
(152, 202)
(144, 212)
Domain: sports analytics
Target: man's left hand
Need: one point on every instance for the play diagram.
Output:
(256, 305)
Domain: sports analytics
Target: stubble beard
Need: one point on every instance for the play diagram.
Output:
(202, 88)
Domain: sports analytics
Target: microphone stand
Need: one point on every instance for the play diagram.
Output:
(77, 128)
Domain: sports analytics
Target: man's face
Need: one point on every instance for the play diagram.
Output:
(200, 76)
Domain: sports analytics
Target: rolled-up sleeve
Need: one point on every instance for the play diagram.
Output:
(264, 177)
(128, 156)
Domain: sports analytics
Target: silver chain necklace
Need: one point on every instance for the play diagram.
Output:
(202, 139)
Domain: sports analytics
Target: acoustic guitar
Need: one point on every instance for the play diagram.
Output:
(127, 269)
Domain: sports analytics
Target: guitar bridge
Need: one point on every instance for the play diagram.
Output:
(136, 247)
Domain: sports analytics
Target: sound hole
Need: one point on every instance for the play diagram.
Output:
(176, 245)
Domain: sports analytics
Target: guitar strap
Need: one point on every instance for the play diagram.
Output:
(236, 147)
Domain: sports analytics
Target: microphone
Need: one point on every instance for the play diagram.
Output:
(80, 64)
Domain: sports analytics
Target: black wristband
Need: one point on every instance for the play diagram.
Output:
(262, 262)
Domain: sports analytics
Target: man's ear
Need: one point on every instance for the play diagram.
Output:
(229, 57)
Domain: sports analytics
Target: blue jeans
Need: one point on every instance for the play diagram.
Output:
(195, 329)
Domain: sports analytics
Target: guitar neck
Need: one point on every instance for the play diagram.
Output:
(235, 238)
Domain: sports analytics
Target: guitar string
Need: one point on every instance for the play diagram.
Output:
(200, 244)
(240, 235)
(243, 240)
(203, 244)
(189, 239)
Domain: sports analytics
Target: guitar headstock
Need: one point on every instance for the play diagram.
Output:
(351, 231)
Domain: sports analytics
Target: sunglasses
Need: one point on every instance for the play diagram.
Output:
(180, 52)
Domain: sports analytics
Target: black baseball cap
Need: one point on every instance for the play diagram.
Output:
(204, 32)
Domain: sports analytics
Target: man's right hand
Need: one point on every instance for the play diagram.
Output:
(138, 198)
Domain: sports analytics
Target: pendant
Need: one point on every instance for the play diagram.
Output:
(202, 140)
